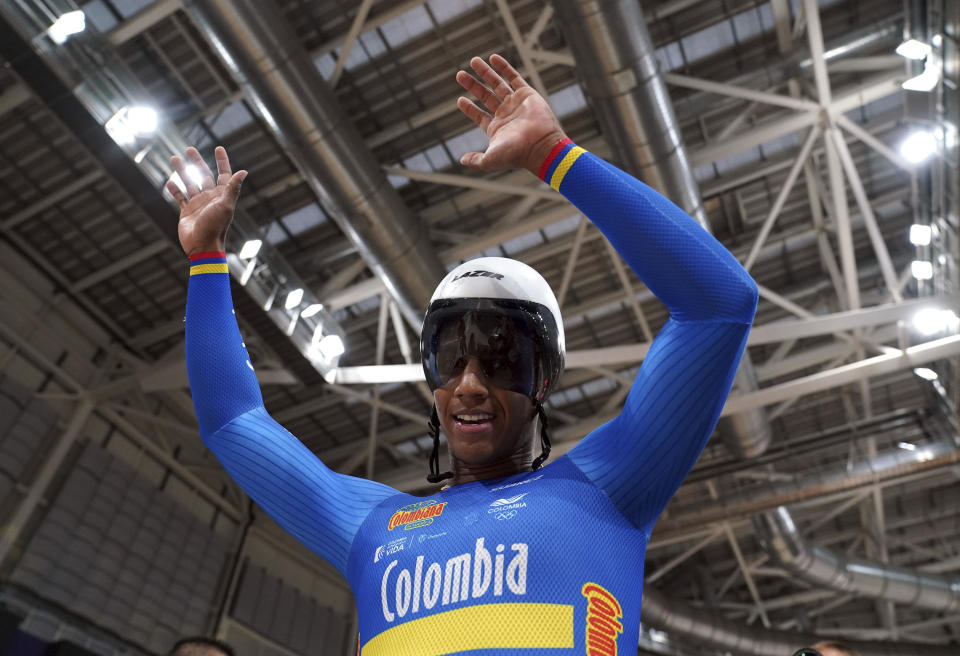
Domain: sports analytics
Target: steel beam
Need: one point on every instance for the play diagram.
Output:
(734, 91)
(51, 465)
(351, 39)
(471, 182)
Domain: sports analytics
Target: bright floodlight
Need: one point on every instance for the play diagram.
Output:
(921, 269)
(120, 129)
(331, 347)
(926, 374)
(930, 321)
(913, 49)
(69, 23)
(906, 446)
(143, 120)
(294, 298)
(311, 310)
(918, 146)
(250, 249)
(920, 234)
(926, 81)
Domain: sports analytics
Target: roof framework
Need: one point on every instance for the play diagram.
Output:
(796, 156)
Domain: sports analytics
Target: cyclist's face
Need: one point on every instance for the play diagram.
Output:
(484, 424)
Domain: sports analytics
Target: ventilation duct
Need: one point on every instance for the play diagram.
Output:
(705, 629)
(301, 110)
(827, 569)
(811, 485)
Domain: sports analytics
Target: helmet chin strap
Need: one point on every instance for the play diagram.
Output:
(433, 425)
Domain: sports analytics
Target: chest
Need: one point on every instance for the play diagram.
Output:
(544, 542)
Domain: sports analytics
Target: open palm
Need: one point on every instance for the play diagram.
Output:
(519, 123)
(206, 209)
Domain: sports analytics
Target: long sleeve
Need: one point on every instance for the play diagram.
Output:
(642, 456)
(319, 507)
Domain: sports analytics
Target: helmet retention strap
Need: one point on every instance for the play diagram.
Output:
(433, 425)
(544, 438)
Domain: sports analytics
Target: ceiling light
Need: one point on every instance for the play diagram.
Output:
(918, 146)
(913, 49)
(311, 310)
(250, 249)
(925, 455)
(921, 269)
(69, 23)
(331, 347)
(119, 128)
(926, 81)
(926, 374)
(906, 446)
(294, 298)
(930, 320)
(143, 120)
(920, 234)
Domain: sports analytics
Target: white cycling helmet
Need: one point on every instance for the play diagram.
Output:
(504, 313)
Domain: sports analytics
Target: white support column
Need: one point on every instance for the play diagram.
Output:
(841, 215)
(350, 40)
(869, 219)
(375, 408)
(11, 531)
(734, 91)
(571, 260)
(782, 197)
(517, 38)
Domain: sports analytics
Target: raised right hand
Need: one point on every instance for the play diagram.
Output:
(205, 211)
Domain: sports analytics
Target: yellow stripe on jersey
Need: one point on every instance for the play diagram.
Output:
(564, 166)
(219, 267)
(487, 626)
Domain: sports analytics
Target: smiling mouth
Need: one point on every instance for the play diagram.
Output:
(473, 418)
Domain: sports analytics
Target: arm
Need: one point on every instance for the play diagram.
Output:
(641, 457)
(278, 472)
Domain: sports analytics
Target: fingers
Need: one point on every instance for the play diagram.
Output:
(176, 193)
(473, 160)
(480, 92)
(509, 72)
(490, 76)
(206, 177)
(234, 183)
(474, 113)
(181, 169)
(223, 165)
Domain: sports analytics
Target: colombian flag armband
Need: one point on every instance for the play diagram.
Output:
(559, 161)
(211, 262)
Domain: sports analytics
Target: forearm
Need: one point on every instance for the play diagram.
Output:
(689, 270)
(222, 379)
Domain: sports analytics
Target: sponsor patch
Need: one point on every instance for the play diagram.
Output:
(388, 549)
(415, 515)
(603, 620)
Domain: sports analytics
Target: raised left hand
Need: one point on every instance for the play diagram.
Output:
(519, 123)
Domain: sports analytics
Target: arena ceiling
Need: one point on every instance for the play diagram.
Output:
(755, 90)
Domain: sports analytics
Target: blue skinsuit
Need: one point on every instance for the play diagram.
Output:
(545, 562)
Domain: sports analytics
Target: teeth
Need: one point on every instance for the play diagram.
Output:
(483, 417)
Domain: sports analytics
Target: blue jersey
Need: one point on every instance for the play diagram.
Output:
(545, 560)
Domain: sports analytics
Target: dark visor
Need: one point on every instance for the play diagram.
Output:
(502, 345)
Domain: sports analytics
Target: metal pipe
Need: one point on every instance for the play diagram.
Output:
(302, 112)
(711, 630)
(828, 569)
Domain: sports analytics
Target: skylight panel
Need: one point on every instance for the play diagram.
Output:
(750, 23)
(97, 13)
(738, 160)
(304, 218)
(326, 64)
(568, 100)
(780, 143)
(523, 242)
(128, 8)
(470, 141)
(563, 227)
(231, 119)
(708, 41)
(444, 10)
(670, 57)
(406, 26)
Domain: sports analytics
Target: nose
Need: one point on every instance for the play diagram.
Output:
(472, 382)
